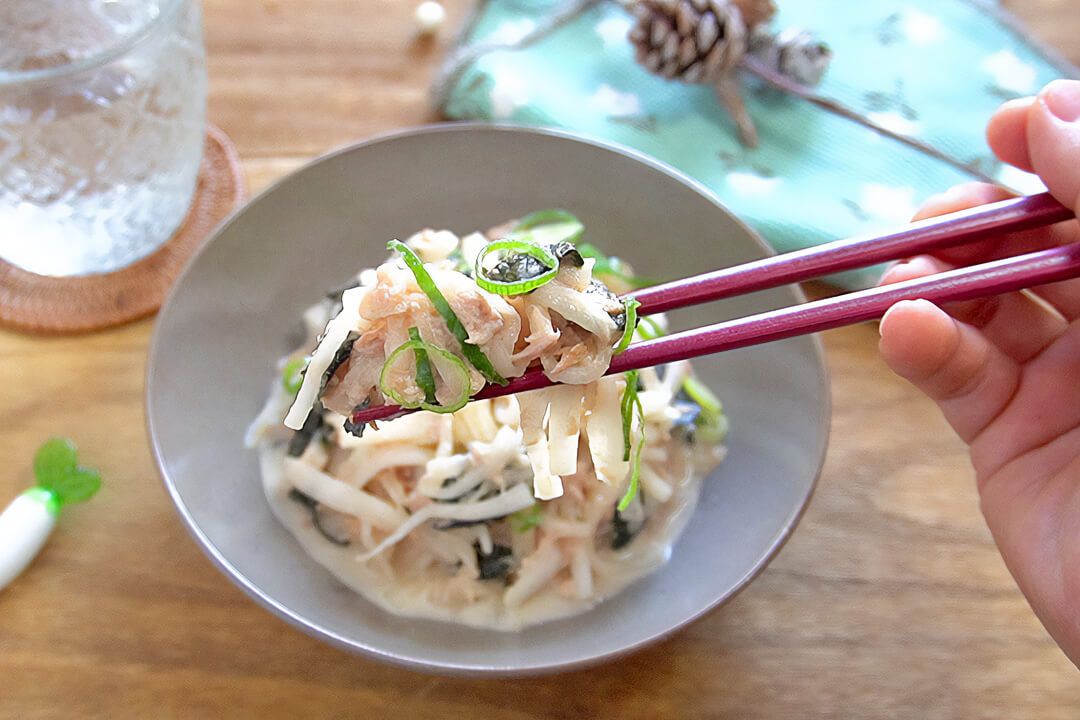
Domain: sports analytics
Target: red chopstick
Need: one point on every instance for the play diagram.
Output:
(980, 223)
(993, 278)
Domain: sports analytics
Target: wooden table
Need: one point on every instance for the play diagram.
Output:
(890, 600)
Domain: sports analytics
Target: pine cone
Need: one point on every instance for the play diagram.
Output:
(794, 53)
(695, 41)
(756, 12)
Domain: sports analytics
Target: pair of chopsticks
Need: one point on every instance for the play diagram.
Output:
(991, 278)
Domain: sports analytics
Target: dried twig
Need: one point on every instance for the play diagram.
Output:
(727, 90)
(758, 69)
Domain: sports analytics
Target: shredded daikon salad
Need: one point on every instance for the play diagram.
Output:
(494, 513)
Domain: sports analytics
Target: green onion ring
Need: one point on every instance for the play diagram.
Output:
(517, 287)
(611, 266)
(527, 519)
(703, 396)
(629, 325)
(648, 328)
(292, 377)
(471, 352)
(417, 346)
(424, 379)
(548, 227)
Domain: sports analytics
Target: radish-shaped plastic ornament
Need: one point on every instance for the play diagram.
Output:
(26, 523)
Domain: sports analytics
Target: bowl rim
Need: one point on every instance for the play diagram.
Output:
(334, 639)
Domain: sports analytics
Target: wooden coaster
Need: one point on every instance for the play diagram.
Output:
(42, 304)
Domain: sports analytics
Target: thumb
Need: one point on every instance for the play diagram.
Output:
(1053, 136)
(969, 378)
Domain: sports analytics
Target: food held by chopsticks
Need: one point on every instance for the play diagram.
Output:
(437, 514)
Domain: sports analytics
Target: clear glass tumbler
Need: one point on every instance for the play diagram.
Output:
(102, 111)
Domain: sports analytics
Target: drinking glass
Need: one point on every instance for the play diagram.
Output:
(102, 111)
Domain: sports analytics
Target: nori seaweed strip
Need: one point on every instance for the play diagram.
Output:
(684, 427)
(340, 356)
(302, 437)
(610, 302)
(302, 498)
(334, 296)
(355, 428)
(313, 505)
(496, 564)
(515, 268)
(622, 533)
(460, 265)
(452, 524)
(568, 253)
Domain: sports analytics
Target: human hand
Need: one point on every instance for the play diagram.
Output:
(1005, 371)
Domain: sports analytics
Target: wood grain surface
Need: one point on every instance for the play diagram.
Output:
(890, 601)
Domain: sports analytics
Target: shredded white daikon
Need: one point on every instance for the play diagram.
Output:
(341, 496)
(514, 499)
(503, 513)
(536, 570)
(336, 331)
(564, 427)
(569, 303)
(605, 431)
(534, 412)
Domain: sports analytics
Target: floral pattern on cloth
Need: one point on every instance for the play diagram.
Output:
(933, 69)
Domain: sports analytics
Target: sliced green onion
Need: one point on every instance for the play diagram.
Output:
(548, 227)
(459, 262)
(631, 306)
(627, 407)
(515, 287)
(471, 352)
(456, 366)
(711, 429)
(702, 395)
(293, 374)
(525, 520)
(630, 401)
(648, 328)
(712, 425)
(424, 379)
(611, 266)
(635, 469)
(711, 408)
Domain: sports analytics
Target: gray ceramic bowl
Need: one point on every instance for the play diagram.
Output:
(233, 310)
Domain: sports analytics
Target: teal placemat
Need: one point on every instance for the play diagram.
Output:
(933, 69)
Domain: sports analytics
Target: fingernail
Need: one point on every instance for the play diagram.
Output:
(888, 270)
(1021, 102)
(1063, 99)
(955, 192)
(922, 265)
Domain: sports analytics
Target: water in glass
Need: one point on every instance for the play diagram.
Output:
(102, 104)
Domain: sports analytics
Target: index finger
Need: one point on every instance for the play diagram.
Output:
(1063, 296)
